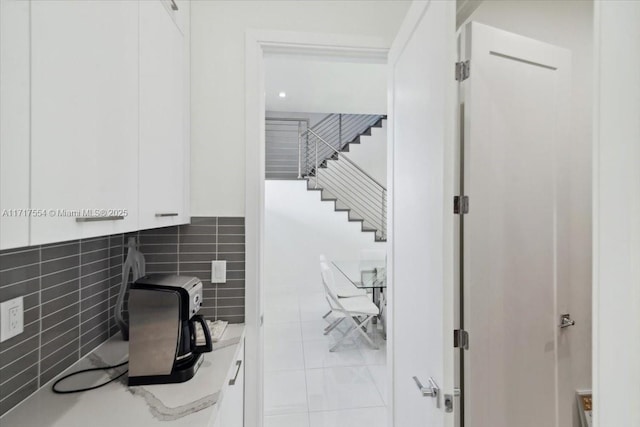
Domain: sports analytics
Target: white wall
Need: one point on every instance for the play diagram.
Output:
(325, 86)
(217, 80)
(298, 228)
(567, 24)
(617, 215)
(371, 153)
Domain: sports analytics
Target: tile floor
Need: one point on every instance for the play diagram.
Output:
(305, 384)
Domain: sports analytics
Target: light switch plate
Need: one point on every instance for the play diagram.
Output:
(11, 318)
(218, 271)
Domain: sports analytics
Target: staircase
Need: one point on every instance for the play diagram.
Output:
(323, 163)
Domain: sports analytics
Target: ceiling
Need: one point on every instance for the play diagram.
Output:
(325, 85)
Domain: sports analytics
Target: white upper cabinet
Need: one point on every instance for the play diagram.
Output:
(84, 124)
(163, 98)
(94, 130)
(14, 123)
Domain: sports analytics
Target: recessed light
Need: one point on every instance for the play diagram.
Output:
(282, 94)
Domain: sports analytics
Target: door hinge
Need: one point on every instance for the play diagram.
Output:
(461, 339)
(462, 70)
(460, 205)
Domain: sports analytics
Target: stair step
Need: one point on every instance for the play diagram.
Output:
(326, 195)
(341, 205)
(355, 216)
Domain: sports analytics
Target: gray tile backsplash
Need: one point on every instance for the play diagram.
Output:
(189, 249)
(64, 311)
(70, 291)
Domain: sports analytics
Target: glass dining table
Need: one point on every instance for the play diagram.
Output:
(365, 274)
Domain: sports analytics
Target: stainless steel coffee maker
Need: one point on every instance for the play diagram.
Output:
(162, 329)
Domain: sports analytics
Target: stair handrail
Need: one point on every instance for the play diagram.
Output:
(375, 181)
(300, 138)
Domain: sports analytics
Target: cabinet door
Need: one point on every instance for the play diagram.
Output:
(162, 136)
(14, 123)
(84, 117)
(232, 410)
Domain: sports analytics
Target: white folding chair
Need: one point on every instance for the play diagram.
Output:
(345, 290)
(357, 310)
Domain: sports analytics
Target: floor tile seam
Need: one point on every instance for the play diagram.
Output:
(382, 399)
(304, 363)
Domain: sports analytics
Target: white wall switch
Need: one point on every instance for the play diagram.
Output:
(218, 271)
(11, 318)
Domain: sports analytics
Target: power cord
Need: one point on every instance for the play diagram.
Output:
(53, 387)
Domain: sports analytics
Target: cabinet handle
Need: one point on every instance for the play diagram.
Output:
(174, 6)
(98, 218)
(233, 380)
(164, 214)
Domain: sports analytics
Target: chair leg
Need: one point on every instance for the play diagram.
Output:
(356, 327)
(366, 337)
(328, 313)
(332, 326)
(364, 326)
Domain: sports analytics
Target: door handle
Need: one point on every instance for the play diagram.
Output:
(432, 390)
(233, 380)
(99, 218)
(565, 321)
(165, 214)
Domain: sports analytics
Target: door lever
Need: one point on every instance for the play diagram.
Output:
(565, 321)
(431, 391)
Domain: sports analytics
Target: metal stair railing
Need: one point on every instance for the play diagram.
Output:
(348, 183)
(337, 130)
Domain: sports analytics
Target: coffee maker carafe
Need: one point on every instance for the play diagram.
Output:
(162, 329)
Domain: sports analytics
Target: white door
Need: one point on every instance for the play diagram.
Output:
(516, 120)
(421, 165)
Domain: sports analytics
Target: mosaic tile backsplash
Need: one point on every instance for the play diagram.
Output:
(70, 290)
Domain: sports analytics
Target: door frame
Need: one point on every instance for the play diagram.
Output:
(259, 43)
(616, 204)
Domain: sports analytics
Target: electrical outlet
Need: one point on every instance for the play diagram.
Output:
(11, 318)
(218, 271)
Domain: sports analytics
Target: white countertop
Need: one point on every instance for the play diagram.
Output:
(192, 403)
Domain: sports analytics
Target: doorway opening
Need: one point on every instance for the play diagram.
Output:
(325, 237)
(317, 355)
